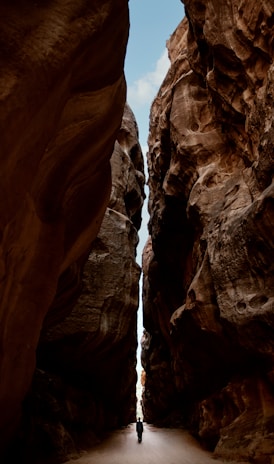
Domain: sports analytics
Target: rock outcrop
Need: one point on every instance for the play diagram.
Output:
(62, 99)
(208, 350)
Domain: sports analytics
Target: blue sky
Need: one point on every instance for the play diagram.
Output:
(151, 24)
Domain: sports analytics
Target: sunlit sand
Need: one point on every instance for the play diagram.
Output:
(159, 446)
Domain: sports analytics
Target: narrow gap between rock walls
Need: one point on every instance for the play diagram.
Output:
(140, 329)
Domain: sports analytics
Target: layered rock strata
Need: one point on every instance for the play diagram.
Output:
(62, 99)
(208, 350)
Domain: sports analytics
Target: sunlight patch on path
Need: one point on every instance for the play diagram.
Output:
(159, 446)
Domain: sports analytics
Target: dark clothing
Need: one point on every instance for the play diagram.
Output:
(139, 427)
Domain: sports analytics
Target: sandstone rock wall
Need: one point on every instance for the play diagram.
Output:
(208, 350)
(62, 96)
(89, 356)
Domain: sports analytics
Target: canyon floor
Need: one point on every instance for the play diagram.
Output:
(159, 446)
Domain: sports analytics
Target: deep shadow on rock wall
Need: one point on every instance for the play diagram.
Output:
(208, 267)
(62, 100)
(85, 381)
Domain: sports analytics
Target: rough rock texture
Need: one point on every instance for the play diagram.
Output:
(89, 357)
(62, 96)
(208, 350)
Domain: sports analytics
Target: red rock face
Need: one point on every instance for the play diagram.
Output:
(85, 381)
(62, 100)
(208, 272)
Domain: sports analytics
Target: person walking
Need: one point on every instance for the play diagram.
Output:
(139, 429)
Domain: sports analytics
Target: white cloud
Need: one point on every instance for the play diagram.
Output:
(144, 149)
(162, 67)
(143, 91)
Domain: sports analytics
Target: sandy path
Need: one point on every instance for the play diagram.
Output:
(159, 446)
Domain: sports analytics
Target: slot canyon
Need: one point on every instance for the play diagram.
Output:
(72, 198)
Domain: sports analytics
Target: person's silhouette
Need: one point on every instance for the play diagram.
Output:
(139, 429)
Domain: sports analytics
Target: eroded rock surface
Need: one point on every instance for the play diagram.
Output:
(62, 96)
(208, 267)
(90, 355)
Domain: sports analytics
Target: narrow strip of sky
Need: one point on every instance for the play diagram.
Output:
(151, 24)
